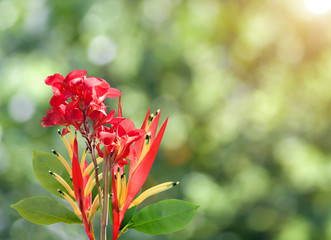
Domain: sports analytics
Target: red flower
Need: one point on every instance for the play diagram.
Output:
(141, 161)
(87, 96)
(118, 139)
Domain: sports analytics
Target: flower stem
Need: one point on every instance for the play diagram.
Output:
(97, 182)
(90, 142)
(104, 217)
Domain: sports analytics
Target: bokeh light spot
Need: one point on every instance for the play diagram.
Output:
(318, 6)
(157, 10)
(8, 14)
(21, 108)
(177, 131)
(101, 50)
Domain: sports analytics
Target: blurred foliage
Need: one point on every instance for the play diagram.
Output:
(246, 85)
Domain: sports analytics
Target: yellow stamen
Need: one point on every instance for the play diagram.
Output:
(146, 147)
(71, 202)
(65, 141)
(91, 183)
(70, 135)
(151, 119)
(123, 192)
(118, 184)
(63, 161)
(91, 166)
(94, 207)
(151, 191)
(82, 161)
(63, 183)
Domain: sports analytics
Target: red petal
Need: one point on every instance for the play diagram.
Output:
(116, 121)
(126, 126)
(107, 138)
(77, 178)
(153, 127)
(109, 117)
(78, 182)
(99, 151)
(135, 135)
(113, 92)
(139, 175)
(75, 82)
(76, 74)
(116, 214)
(146, 118)
(119, 114)
(92, 81)
(65, 131)
(60, 98)
(56, 78)
(52, 117)
(138, 145)
(75, 115)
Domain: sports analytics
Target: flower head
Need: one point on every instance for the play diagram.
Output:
(77, 97)
(118, 139)
(141, 160)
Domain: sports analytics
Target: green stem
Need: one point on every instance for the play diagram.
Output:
(104, 217)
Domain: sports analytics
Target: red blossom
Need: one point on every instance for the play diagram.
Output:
(144, 152)
(79, 101)
(118, 139)
(77, 97)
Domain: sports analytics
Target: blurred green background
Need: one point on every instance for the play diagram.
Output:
(246, 85)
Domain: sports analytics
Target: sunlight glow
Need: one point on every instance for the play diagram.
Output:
(318, 6)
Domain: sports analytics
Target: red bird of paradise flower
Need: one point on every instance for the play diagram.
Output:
(83, 184)
(141, 161)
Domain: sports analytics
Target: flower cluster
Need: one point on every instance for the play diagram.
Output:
(78, 98)
(78, 101)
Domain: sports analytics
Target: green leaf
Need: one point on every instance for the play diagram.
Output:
(45, 162)
(128, 216)
(164, 217)
(44, 211)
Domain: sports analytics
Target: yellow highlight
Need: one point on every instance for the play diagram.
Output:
(71, 202)
(64, 162)
(94, 207)
(152, 191)
(91, 183)
(123, 192)
(151, 119)
(65, 141)
(146, 147)
(82, 161)
(118, 184)
(70, 135)
(91, 166)
(63, 183)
